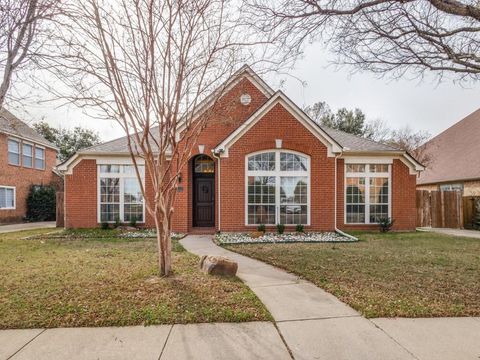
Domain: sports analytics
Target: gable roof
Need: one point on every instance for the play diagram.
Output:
(11, 125)
(455, 153)
(336, 141)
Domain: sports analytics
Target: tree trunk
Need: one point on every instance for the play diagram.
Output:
(164, 242)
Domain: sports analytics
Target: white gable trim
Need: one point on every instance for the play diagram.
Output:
(279, 98)
(414, 166)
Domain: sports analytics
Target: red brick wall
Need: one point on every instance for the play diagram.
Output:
(23, 178)
(403, 199)
(278, 123)
(81, 196)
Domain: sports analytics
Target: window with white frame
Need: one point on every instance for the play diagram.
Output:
(27, 155)
(277, 188)
(13, 152)
(120, 194)
(39, 158)
(367, 193)
(7, 197)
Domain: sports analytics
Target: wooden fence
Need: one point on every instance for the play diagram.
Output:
(440, 209)
(60, 210)
(469, 210)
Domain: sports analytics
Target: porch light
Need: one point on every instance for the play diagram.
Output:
(201, 149)
(278, 143)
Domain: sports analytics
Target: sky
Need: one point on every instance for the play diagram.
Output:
(424, 105)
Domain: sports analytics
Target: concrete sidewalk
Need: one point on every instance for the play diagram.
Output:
(258, 340)
(316, 325)
(27, 226)
(453, 232)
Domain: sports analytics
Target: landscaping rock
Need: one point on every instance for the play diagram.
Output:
(218, 265)
(242, 238)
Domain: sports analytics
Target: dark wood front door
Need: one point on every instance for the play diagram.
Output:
(204, 201)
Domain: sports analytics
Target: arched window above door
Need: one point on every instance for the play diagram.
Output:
(204, 165)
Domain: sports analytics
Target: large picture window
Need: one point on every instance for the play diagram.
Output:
(278, 188)
(367, 193)
(120, 194)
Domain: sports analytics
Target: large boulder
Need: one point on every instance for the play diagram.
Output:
(218, 265)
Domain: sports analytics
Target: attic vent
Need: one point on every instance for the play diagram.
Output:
(245, 99)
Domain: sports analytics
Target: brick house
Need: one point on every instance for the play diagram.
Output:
(268, 163)
(26, 159)
(454, 158)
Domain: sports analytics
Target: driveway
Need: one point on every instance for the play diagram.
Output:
(316, 325)
(453, 232)
(27, 226)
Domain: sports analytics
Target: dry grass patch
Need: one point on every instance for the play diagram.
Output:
(388, 275)
(57, 282)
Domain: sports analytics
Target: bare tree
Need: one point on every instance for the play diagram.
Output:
(414, 142)
(394, 37)
(149, 65)
(21, 25)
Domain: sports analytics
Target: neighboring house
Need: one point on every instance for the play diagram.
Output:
(26, 159)
(263, 161)
(454, 158)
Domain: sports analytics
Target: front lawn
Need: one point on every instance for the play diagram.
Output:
(388, 275)
(87, 279)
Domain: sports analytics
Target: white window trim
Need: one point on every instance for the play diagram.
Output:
(32, 153)
(277, 173)
(122, 176)
(14, 197)
(19, 142)
(367, 175)
(35, 157)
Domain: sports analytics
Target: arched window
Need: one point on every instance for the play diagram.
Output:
(278, 189)
(204, 164)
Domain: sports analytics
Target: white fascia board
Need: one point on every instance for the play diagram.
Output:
(386, 157)
(101, 158)
(279, 97)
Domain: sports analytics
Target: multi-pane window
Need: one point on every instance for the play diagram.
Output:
(39, 158)
(277, 188)
(7, 197)
(367, 193)
(27, 155)
(13, 152)
(121, 196)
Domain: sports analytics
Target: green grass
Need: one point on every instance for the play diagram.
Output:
(54, 280)
(388, 275)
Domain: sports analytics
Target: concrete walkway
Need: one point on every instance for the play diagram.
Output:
(27, 226)
(258, 340)
(316, 325)
(453, 232)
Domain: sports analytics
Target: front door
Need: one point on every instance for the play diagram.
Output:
(204, 202)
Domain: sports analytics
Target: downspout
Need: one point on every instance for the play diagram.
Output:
(337, 230)
(218, 197)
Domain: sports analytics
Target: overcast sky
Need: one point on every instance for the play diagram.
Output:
(423, 106)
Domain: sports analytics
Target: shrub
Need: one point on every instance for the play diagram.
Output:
(133, 222)
(385, 224)
(261, 228)
(41, 203)
(104, 225)
(299, 228)
(280, 228)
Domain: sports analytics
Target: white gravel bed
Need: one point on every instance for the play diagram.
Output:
(244, 238)
(150, 233)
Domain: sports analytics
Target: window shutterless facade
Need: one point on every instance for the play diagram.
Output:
(14, 152)
(7, 198)
(277, 188)
(367, 193)
(39, 158)
(120, 194)
(27, 155)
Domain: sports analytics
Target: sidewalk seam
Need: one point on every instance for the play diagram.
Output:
(290, 352)
(166, 340)
(393, 339)
(24, 345)
(320, 318)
